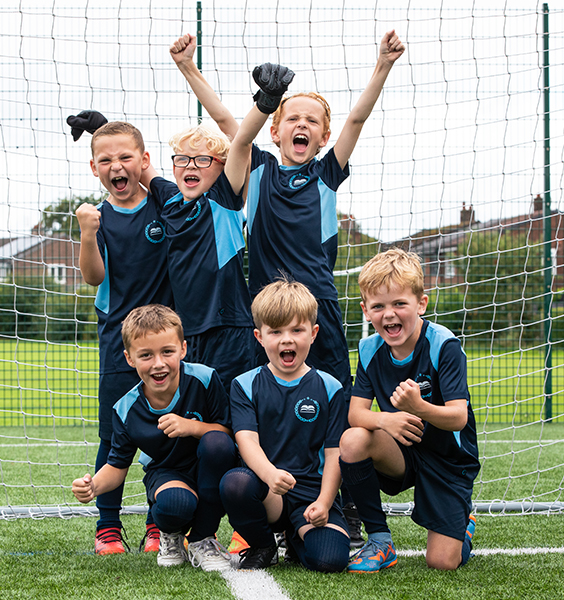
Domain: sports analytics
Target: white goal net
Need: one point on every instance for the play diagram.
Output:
(461, 162)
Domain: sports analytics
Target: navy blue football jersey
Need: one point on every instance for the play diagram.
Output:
(438, 366)
(132, 245)
(200, 396)
(295, 420)
(292, 222)
(205, 258)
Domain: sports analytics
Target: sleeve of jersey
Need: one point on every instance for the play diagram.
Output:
(362, 385)
(338, 419)
(243, 414)
(331, 172)
(453, 372)
(218, 402)
(223, 194)
(123, 450)
(163, 190)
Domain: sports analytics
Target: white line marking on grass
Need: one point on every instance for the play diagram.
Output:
(254, 585)
(49, 444)
(494, 551)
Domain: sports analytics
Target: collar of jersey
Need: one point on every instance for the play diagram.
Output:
(285, 383)
(406, 360)
(125, 211)
(167, 409)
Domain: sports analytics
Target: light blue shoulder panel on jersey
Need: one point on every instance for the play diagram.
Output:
(368, 347)
(331, 384)
(228, 226)
(437, 336)
(253, 195)
(200, 372)
(123, 405)
(102, 301)
(328, 201)
(246, 381)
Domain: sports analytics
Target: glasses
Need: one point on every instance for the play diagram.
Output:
(202, 162)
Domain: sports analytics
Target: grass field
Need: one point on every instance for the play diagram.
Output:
(48, 437)
(41, 383)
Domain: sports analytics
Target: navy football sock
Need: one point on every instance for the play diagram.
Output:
(174, 509)
(362, 483)
(324, 549)
(108, 504)
(216, 455)
(242, 493)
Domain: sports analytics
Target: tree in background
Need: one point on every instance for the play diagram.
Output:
(503, 272)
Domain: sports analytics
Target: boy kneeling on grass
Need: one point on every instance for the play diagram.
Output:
(178, 416)
(288, 419)
(424, 435)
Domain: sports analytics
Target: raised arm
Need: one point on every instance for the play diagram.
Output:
(391, 48)
(182, 52)
(273, 81)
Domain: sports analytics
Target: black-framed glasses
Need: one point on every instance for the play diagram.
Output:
(202, 162)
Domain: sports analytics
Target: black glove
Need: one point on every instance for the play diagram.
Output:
(87, 120)
(273, 81)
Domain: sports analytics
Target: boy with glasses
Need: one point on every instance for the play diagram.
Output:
(205, 243)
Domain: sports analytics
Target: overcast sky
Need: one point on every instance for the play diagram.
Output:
(460, 120)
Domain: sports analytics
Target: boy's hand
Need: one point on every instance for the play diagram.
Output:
(87, 120)
(316, 514)
(83, 489)
(273, 81)
(407, 429)
(88, 218)
(183, 49)
(391, 47)
(281, 482)
(174, 425)
(407, 397)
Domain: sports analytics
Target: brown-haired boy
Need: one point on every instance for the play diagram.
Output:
(287, 420)
(424, 435)
(178, 416)
(123, 252)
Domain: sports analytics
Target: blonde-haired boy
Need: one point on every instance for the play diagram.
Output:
(204, 224)
(424, 435)
(287, 419)
(178, 416)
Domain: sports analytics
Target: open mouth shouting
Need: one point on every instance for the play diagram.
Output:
(119, 183)
(191, 180)
(301, 142)
(287, 357)
(393, 330)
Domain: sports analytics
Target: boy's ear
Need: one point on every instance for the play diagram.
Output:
(93, 167)
(274, 135)
(184, 349)
(128, 359)
(422, 306)
(314, 332)
(258, 336)
(325, 139)
(146, 163)
(362, 305)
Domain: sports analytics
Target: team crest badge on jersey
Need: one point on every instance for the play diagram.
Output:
(307, 410)
(155, 232)
(424, 383)
(193, 416)
(298, 181)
